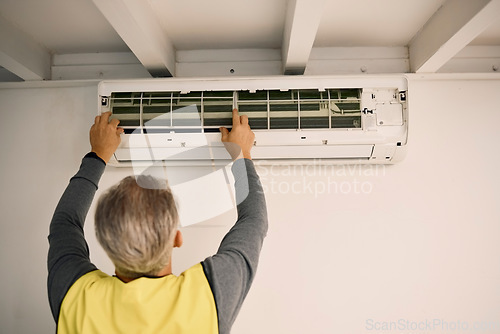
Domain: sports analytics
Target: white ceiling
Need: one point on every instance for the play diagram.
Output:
(63, 26)
(490, 36)
(77, 39)
(222, 24)
(373, 23)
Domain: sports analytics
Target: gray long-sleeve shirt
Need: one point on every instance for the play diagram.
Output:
(230, 272)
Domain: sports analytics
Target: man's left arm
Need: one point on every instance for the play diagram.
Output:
(68, 257)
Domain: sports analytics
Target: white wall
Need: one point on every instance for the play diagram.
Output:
(417, 241)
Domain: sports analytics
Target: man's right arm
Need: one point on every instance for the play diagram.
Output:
(231, 271)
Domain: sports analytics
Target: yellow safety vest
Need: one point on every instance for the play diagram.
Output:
(99, 303)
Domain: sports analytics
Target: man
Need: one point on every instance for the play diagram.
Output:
(136, 223)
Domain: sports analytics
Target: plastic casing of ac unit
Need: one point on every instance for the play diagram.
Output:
(378, 134)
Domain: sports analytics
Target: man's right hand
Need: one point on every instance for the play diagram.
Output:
(105, 136)
(240, 139)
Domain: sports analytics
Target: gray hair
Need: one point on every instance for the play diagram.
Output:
(136, 223)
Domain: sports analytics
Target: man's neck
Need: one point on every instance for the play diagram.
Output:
(164, 272)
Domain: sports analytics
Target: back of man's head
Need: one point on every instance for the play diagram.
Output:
(136, 223)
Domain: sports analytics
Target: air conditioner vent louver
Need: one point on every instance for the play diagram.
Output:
(266, 109)
(336, 119)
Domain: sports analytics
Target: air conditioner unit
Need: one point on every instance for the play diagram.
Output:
(321, 119)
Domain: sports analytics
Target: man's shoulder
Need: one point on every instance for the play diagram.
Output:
(87, 280)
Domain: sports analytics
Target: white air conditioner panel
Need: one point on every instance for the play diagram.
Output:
(389, 114)
(262, 138)
(165, 140)
(314, 152)
(171, 154)
(265, 152)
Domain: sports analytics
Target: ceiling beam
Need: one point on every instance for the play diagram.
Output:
(138, 26)
(228, 62)
(474, 59)
(102, 65)
(354, 60)
(448, 31)
(301, 25)
(21, 54)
